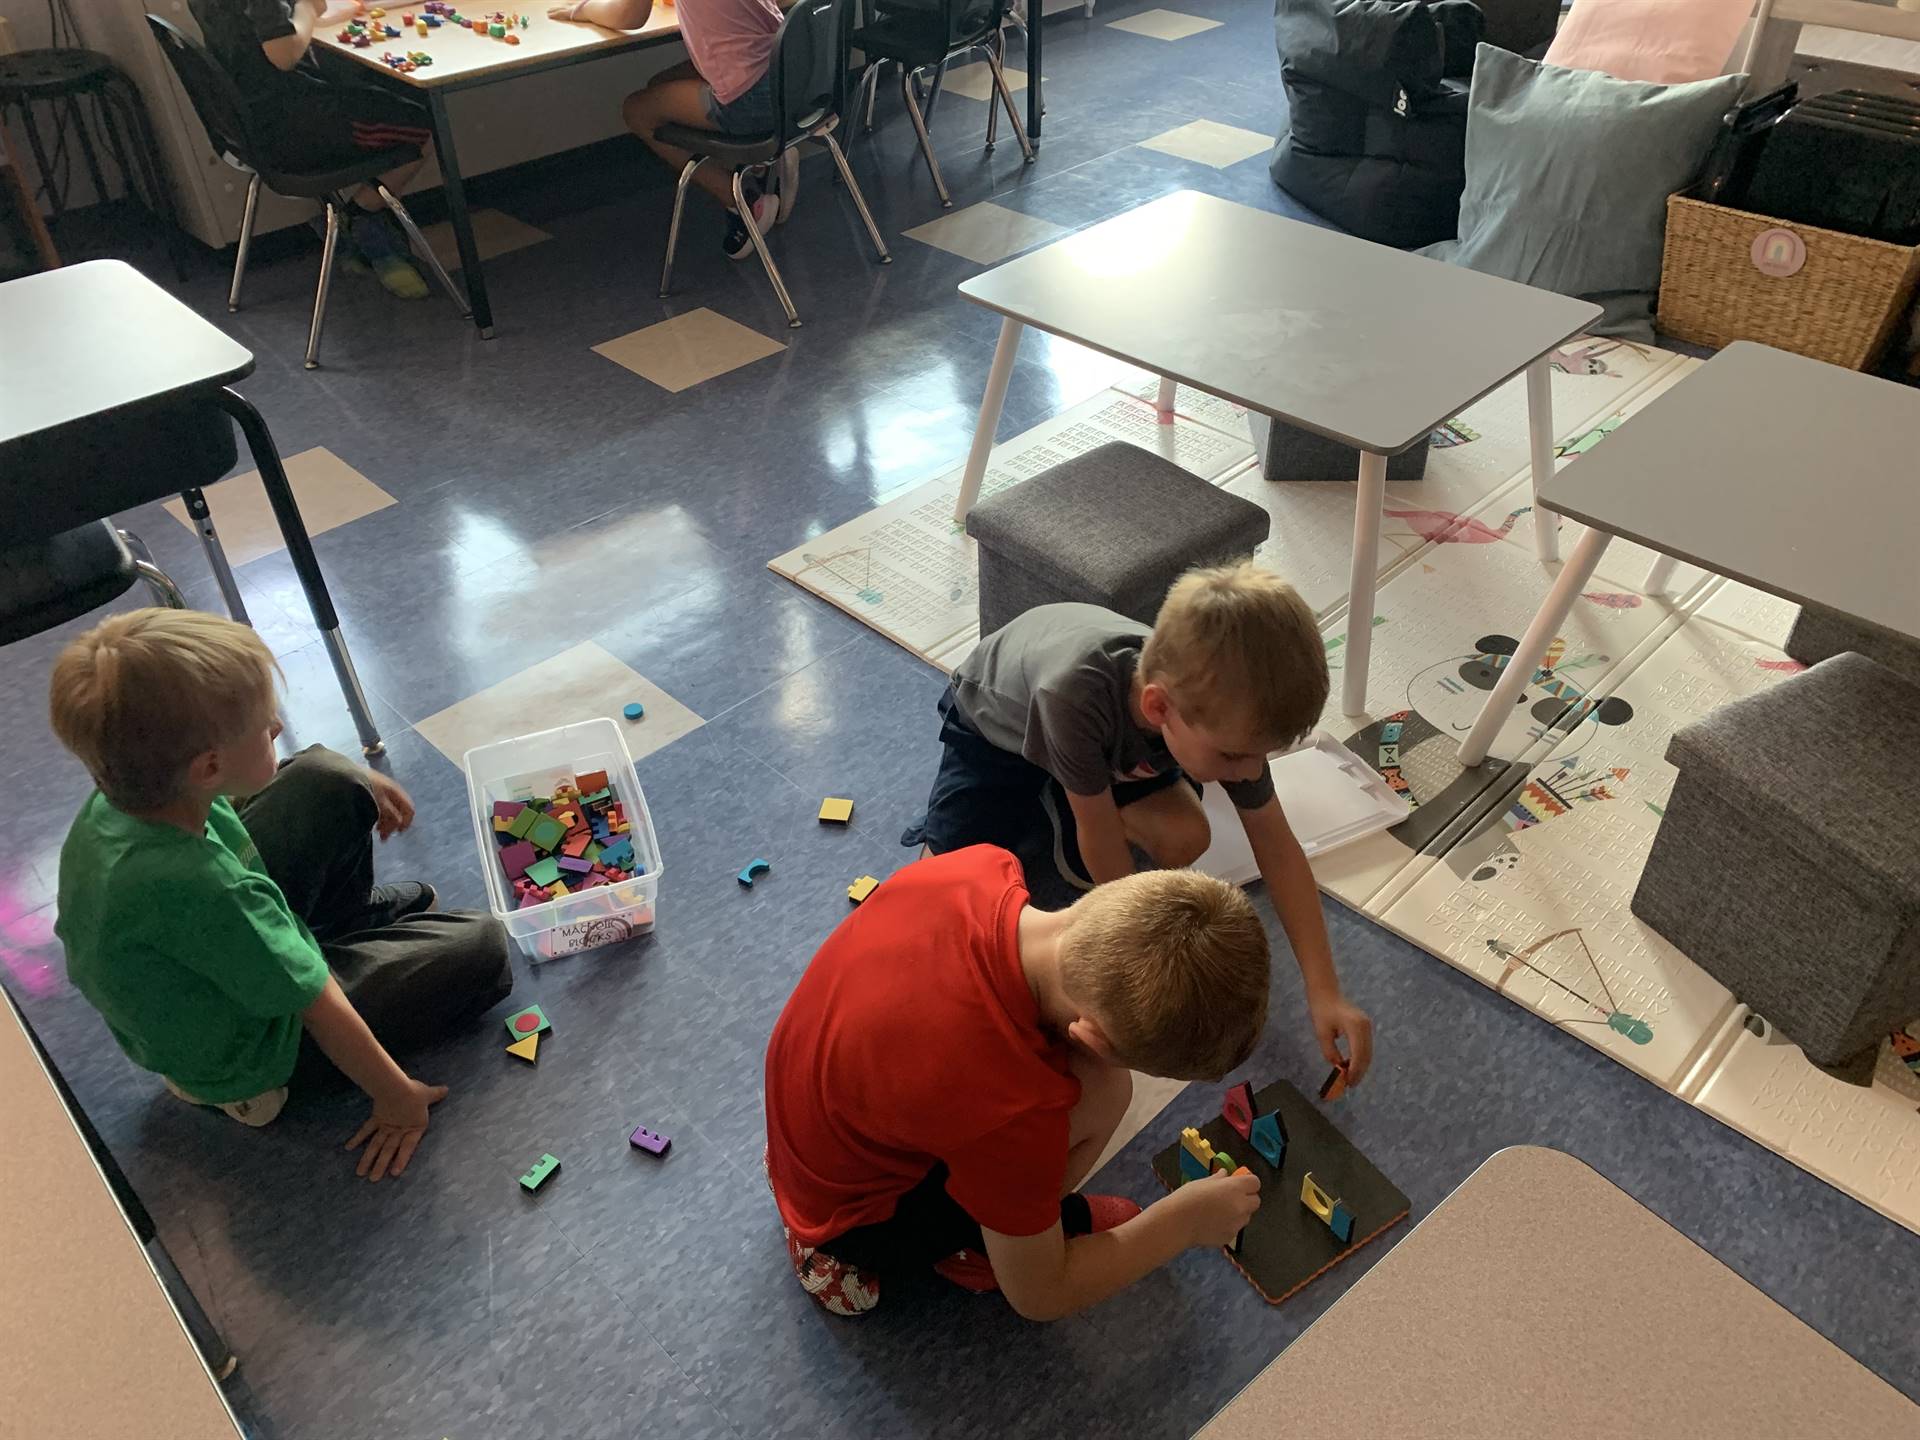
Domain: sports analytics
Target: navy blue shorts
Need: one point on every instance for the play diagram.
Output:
(749, 115)
(983, 795)
(928, 1225)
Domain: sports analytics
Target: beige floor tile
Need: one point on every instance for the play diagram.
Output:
(330, 493)
(986, 232)
(678, 354)
(577, 684)
(494, 231)
(1163, 24)
(1211, 143)
(975, 81)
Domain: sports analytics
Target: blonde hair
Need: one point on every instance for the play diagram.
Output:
(1236, 645)
(1174, 966)
(143, 692)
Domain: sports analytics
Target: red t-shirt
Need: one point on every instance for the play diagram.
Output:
(913, 1038)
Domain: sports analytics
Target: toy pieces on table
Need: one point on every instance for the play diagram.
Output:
(1338, 1218)
(861, 888)
(1237, 1109)
(544, 871)
(523, 821)
(515, 858)
(1196, 1156)
(651, 1141)
(542, 1170)
(1269, 1137)
(526, 1049)
(754, 868)
(835, 811)
(530, 1021)
(1285, 1246)
(1335, 1085)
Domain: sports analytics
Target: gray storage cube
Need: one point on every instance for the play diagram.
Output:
(1287, 452)
(1787, 865)
(1114, 527)
(1820, 634)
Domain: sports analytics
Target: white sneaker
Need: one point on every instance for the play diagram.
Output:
(786, 183)
(261, 1110)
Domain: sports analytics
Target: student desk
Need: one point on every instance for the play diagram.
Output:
(1540, 1300)
(1365, 345)
(1789, 474)
(92, 1342)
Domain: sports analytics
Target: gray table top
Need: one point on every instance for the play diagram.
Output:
(1792, 475)
(98, 337)
(1355, 341)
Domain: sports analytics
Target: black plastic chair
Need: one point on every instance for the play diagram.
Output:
(224, 114)
(809, 97)
(925, 34)
(48, 580)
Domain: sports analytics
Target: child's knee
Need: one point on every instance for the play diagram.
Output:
(327, 787)
(487, 971)
(1182, 840)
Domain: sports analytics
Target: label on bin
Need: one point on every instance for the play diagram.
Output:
(586, 935)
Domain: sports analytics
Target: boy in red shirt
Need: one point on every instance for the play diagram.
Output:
(954, 1061)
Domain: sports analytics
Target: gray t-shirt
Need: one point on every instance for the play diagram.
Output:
(1053, 686)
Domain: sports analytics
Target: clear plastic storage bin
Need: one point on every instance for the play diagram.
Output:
(532, 765)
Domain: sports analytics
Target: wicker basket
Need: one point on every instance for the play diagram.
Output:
(1840, 306)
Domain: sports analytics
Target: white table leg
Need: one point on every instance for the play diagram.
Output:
(1163, 406)
(1546, 524)
(990, 404)
(1533, 645)
(1365, 576)
(1660, 575)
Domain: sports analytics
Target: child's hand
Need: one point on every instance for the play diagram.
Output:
(396, 809)
(1336, 1017)
(1217, 1208)
(392, 1132)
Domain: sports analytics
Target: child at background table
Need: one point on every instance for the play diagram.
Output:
(1073, 734)
(954, 1061)
(725, 84)
(235, 950)
(309, 121)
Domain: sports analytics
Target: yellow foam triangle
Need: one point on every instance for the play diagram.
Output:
(526, 1049)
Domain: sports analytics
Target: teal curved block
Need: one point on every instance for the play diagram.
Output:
(1269, 1138)
(1636, 1030)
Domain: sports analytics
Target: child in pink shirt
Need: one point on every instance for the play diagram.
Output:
(725, 84)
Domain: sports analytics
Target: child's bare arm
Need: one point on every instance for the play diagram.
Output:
(1048, 1276)
(400, 1102)
(285, 50)
(1103, 838)
(614, 14)
(1289, 879)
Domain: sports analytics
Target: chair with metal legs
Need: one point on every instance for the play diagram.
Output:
(918, 36)
(809, 97)
(48, 580)
(221, 111)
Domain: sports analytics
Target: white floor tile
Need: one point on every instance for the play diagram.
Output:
(582, 683)
(986, 232)
(330, 493)
(678, 354)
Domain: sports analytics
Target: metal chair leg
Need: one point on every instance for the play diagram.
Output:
(423, 252)
(859, 200)
(196, 502)
(673, 225)
(327, 248)
(159, 584)
(993, 107)
(760, 248)
(872, 78)
(926, 143)
(1006, 99)
(246, 244)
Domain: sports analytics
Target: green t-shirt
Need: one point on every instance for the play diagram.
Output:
(187, 949)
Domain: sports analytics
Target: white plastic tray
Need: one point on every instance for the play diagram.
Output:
(1332, 798)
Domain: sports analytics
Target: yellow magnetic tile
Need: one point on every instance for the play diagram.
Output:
(329, 491)
(678, 354)
(836, 811)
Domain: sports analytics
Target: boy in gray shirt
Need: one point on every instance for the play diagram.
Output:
(1073, 735)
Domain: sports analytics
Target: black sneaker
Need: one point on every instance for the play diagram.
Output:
(390, 903)
(738, 243)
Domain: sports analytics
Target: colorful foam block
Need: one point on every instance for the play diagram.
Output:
(861, 888)
(1237, 1109)
(530, 1021)
(574, 864)
(1268, 1137)
(634, 710)
(1335, 1084)
(592, 780)
(835, 811)
(523, 822)
(515, 858)
(541, 1171)
(1190, 1167)
(1341, 1223)
(547, 832)
(651, 1141)
(754, 868)
(618, 855)
(526, 1049)
(544, 871)
(576, 843)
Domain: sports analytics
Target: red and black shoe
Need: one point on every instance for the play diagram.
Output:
(971, 1270)
(836, 1287)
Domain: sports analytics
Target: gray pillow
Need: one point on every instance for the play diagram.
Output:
(1568, 173)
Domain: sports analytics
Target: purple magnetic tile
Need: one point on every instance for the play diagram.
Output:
(517, 857)
(579, 867)
(645, 1139)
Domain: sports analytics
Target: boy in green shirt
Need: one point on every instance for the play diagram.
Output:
(233, 950)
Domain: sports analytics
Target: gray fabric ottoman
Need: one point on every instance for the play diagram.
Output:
(1820, 634)
(1114, 527)
(1287, 452)
(1787, 866)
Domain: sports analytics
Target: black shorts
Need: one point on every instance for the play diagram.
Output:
(928, 1225)
(983, 795)
(314, 123)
